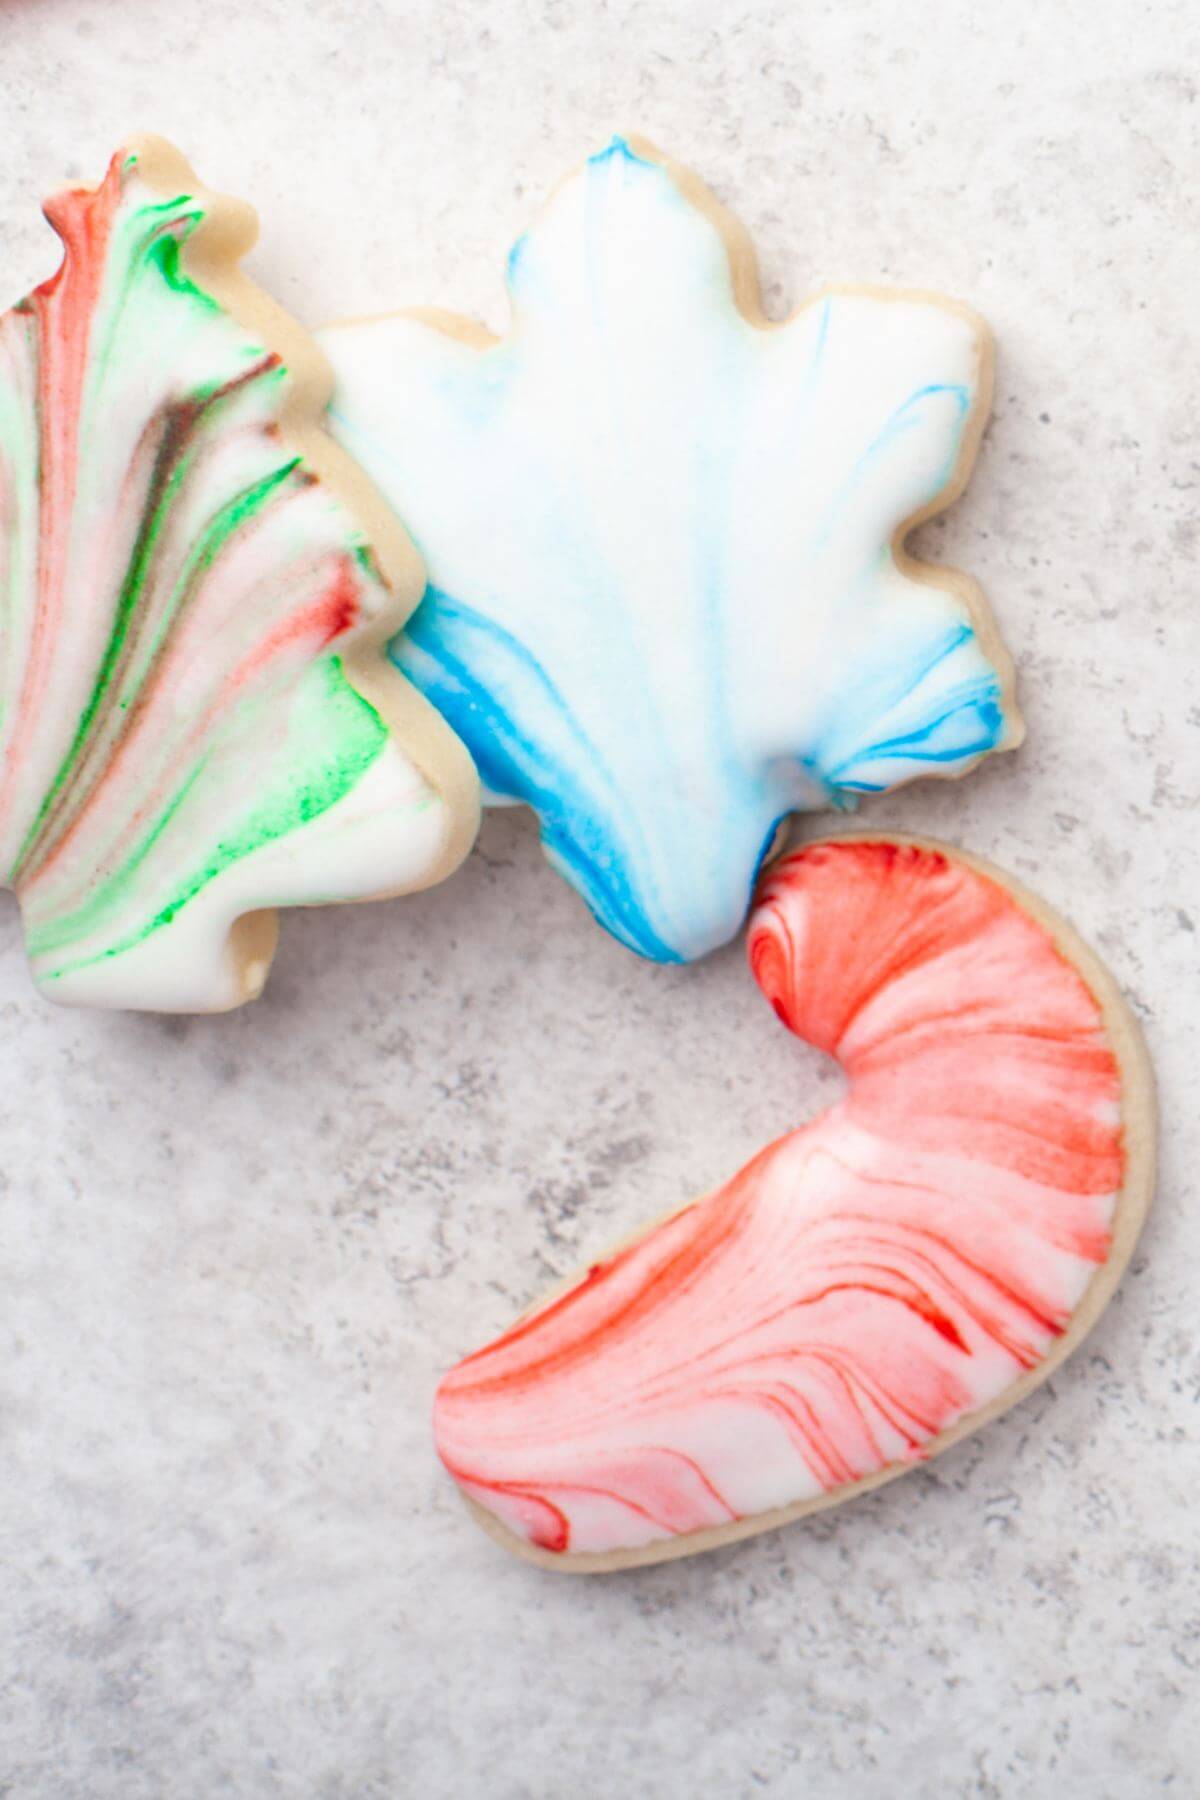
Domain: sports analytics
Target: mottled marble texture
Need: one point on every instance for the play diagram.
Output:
(238, 1251)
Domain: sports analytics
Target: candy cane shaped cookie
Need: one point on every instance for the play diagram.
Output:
(197, 720)
(872, 1286)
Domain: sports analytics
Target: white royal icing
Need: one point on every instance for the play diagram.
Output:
(664, 608)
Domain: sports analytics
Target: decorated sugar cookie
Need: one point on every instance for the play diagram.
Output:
(197, 720)
(669, 599)
(870, 1287)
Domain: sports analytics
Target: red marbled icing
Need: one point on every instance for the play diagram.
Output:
(862, 1283)
(61, 314)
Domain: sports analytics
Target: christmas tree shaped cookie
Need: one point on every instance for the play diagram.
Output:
(197, 720)
(669, 597)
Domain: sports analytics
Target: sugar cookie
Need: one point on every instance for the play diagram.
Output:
(669, 598)
(197, 720)
(870, 1287)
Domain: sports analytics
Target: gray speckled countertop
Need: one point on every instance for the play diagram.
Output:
(237, 1251)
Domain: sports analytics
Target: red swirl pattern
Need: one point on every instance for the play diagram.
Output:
(866, 1281)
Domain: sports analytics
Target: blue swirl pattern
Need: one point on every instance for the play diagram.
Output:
(664, 607)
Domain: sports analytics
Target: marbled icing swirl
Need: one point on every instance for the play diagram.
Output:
(864, 1282)
(665, 605)
(180, 744)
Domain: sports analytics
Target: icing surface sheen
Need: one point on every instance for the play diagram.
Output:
(663, 606)
(179, 742)
(865, 1281)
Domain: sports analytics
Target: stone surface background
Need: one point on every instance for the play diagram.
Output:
(238, 1251)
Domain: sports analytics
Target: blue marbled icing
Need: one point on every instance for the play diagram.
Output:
(562, 776)
(663, 609)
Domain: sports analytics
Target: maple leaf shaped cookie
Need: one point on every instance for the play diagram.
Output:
(669, 602)
(197, 720)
